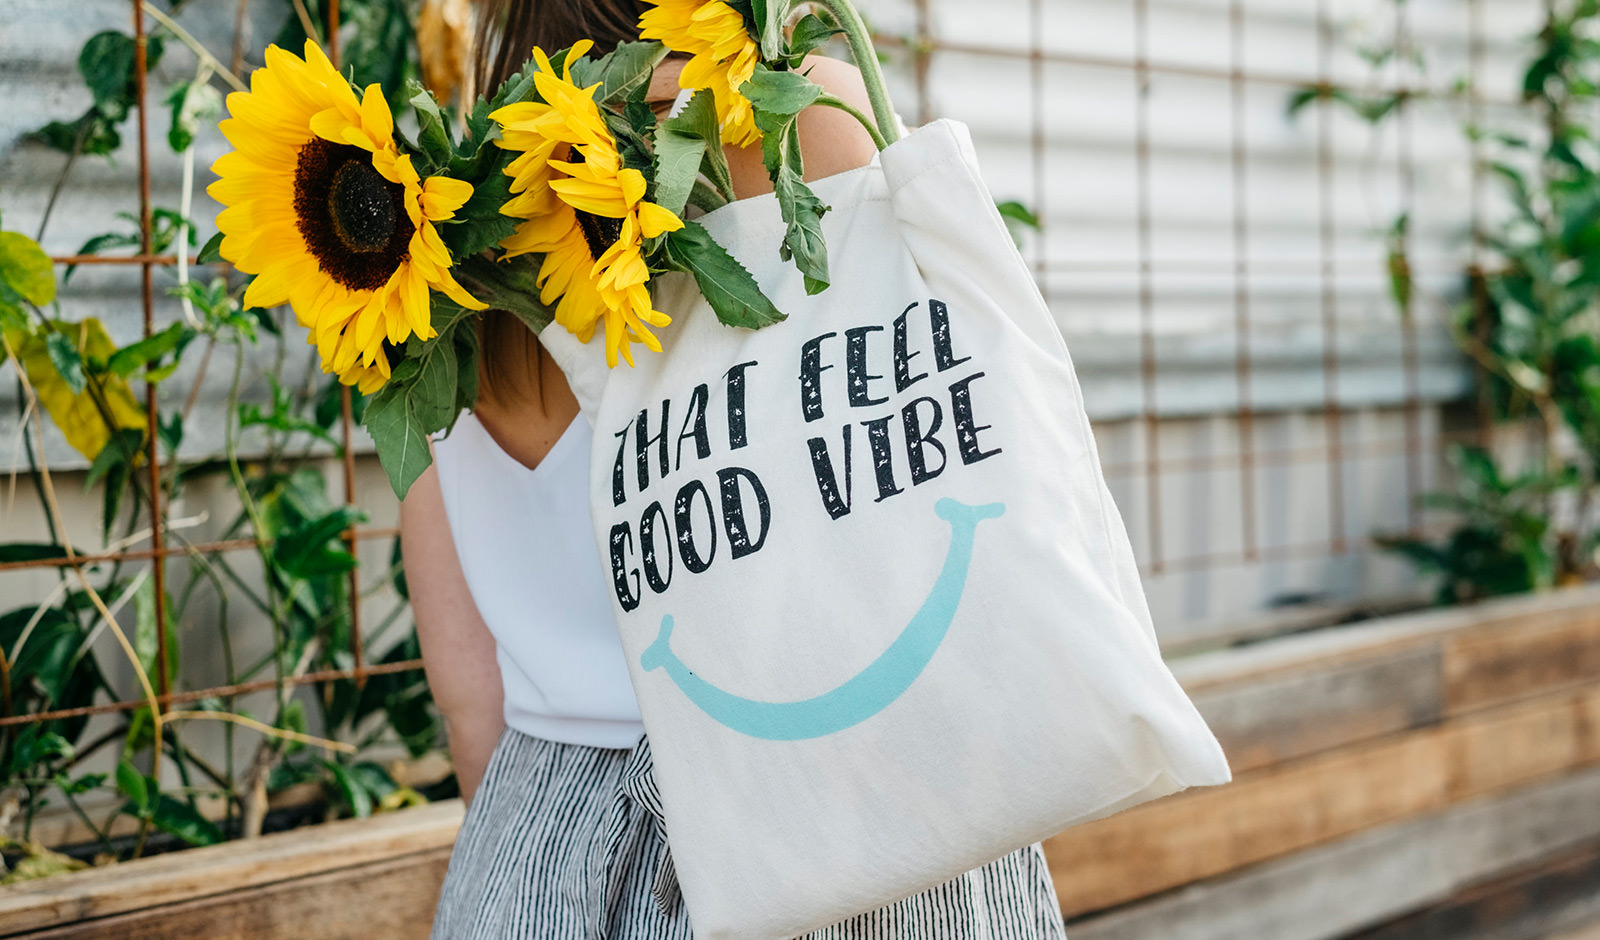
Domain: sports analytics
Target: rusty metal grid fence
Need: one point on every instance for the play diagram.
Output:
(159, 551)
(920, 50)
(1147, 473)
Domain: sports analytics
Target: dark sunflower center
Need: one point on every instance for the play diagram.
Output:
(361, 206)
(599, 231)
(353, 220)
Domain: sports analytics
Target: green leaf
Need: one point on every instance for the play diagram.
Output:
(50, 670)
(622, 72)
(293, 719)
(283, 421)
(26, 268)
(433, 135)
(81, 785)
(477, 132)
(373, 778)
(129, 358)
(1303, 97)
(99, 243)
(212, 252)
(482, 226)
(1426, 557)
(799, 206)
(802, 210)
(785, 93)
(1017, 212)
(66, 359)
(13, 319)
(727, 286)
(92, 133)
(141, 731)
(809, 35)
(1016, 216)
(131, 784)
(30, 551)
(112, 463)
(768, 17)
(355, 795)
(1399, 264)
(170, 431)
(313, 549)
(191, 103)
(144, 632)
(107, 65)
(177, 818)
(34, 748)
(48, 659)
(685, 144)
(677, 160)
(1478, 467)
(398, 436)
(433, 393)
(164, 226)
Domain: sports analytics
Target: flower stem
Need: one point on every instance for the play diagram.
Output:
(832, 101)
(195, 46)
(866, 56)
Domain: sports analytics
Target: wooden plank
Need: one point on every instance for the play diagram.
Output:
(1331, 890)
(392, 899)
(1502, 662)
(1321, 649)
(182, 876)
(1516, 743)
(1285, 717)
(1525, 904)
(1299, 695)
(1282, 809)
(1589, 932)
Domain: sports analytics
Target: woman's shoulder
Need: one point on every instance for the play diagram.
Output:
(831, 141)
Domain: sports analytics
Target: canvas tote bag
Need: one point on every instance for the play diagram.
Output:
(881, 614)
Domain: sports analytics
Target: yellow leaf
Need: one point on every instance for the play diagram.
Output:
(400, 798)
(444, 45)
(77, 415)
(40, 862)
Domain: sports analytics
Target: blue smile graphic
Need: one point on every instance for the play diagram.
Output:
(871, 689)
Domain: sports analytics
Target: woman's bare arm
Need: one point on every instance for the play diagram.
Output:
(458, 651)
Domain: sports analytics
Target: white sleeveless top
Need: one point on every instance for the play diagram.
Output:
(527, 548)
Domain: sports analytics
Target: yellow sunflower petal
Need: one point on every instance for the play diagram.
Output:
(442, 196)
(655, 220)
(633, 185)
(267, 290)
(375, 117)
(594, 198)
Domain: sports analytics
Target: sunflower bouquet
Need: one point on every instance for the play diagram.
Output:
(562, 199)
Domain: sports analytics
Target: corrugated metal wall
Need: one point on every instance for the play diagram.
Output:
(1203, 252)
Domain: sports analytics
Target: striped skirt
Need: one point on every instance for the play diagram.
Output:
(566, 842)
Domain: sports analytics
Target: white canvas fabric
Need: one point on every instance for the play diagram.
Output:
(881, 615)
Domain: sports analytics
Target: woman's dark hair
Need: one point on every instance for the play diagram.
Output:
(507, 31)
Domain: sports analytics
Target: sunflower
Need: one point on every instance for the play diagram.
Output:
(586, 214)
(722, 57)
(330, 217)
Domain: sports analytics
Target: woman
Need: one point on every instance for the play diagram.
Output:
(563, 837)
